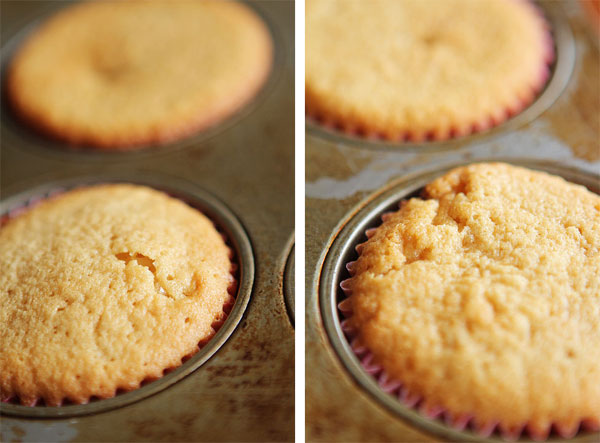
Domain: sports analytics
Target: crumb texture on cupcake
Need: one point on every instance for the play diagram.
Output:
(416, 69)
(102, 288)
(484, 297)
(119, 74)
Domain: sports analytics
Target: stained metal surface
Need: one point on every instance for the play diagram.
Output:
(348, 186)
(245, 391)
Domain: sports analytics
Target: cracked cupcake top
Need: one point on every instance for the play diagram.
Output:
(102, 288)
(484, 297)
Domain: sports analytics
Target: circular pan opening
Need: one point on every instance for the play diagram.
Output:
(16, 133)
(342, 251)
(237, 240)
(560, 73)
(289, 293)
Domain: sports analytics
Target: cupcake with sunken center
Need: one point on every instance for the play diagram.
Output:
(482, 300)
(127, 74)
(417, 70)
(103, 288)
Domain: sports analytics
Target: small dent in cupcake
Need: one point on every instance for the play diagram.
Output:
(194, 287)
(430, 39)
(146, 262)
(139, 258)
(112, 68)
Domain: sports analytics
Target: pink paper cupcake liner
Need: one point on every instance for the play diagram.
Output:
(490, 121)
(415, 401)
(216, 325)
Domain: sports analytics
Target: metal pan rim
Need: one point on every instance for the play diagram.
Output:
(289, 294)
(216, 211)
(348, 234)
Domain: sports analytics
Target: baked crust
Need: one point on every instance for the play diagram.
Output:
(412, 70)
(121, 75)
(484, 297)
(102, 288)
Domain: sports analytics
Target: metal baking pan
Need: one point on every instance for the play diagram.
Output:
(289, 291)
(350, 181)
(244, 390)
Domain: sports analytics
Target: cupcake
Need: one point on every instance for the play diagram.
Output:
(481, 301)
(123, 74)
(416, 70)
(103, 288)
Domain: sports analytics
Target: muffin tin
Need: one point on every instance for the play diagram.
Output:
(236, 239)
(240, 386)
(351, 182)
(14, 131)
(289, 292)
(342, 251)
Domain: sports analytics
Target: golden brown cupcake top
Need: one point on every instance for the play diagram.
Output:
(419, 68)
(484, 297)
(103, 287)
(116, 74)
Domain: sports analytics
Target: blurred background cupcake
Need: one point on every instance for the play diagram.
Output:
(123, 75)
(420, 70)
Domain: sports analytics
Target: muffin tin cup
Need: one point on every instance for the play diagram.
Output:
(560, 62)
(289, 294)
(15, 132)
(358, 360)
(242, 269)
